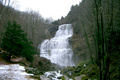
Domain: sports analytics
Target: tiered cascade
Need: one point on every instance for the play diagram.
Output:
(58, 49)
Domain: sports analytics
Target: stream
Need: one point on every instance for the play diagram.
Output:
(17, 72)
(14, 72)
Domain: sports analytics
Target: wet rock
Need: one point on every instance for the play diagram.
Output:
(51, 76)
(59, 77)
(42, 64)
(66, 78)
(79, 77)
(43, 77)
(16, 60)
(33, 71)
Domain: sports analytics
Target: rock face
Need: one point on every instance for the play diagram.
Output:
(16, 60)
(80, 49)
(53, 29)
(42, 64)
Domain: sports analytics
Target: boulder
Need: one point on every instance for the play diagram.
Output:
(79, 77)
(43, 77)
(16, 60)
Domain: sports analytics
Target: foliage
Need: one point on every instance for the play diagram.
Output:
(16, 43)
(90, 71)
(84, 78)
(63, 78)
(106, 41)
(32, 23)
(96, 27)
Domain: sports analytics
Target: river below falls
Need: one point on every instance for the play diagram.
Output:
(17, 72)
(14, 72)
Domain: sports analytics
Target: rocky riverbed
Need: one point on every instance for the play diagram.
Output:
(14, 72)
(17, 72)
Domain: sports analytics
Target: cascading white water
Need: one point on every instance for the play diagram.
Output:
(58, 49)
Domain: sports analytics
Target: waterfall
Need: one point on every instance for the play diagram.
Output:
(58, 49)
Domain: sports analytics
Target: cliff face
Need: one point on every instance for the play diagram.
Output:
(81, 17)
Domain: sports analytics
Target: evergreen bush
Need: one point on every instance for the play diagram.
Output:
(16, 43)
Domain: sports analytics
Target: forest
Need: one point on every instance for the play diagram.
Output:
(96, 37)
(95, 41)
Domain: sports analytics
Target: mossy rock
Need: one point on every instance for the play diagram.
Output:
(63, 78)
(84, 78)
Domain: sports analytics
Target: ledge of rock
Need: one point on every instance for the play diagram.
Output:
(16, 60)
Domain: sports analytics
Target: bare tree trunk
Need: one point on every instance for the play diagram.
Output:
(107, 71)
(88, 44)
(98, 37)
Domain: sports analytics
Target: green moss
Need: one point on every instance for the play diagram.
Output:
(84, 78)
(91, 71)
(40, 63)
(63, 78)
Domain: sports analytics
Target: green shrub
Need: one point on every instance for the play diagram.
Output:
(16, 43)
(63, 78)
(84, 78)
